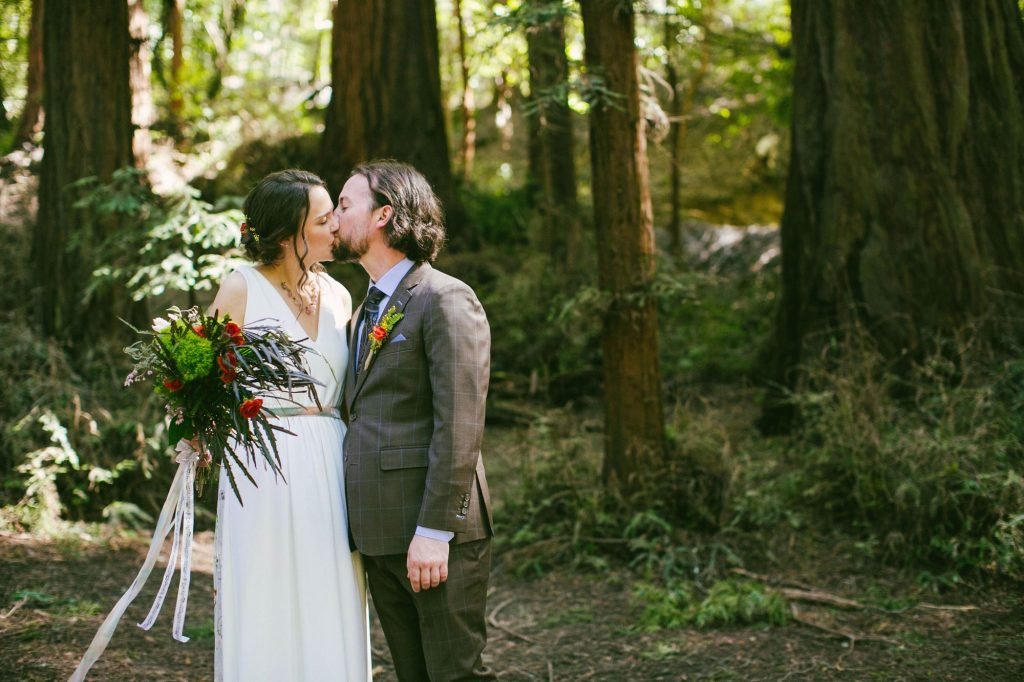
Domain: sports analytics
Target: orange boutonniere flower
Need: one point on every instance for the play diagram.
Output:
(381, 331)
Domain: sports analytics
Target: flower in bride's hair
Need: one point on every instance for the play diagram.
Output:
(247, 230)
(251, 407)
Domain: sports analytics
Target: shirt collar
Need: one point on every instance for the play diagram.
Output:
(393, 277)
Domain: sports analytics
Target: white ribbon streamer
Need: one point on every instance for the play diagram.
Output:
(178, 511)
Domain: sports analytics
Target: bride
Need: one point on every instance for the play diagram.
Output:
(290, 595)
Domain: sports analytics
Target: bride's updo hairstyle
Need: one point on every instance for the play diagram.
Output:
(275, 211)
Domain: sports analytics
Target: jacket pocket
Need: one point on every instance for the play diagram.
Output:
(403, 458)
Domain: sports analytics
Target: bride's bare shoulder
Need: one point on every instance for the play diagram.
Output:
(231, 297)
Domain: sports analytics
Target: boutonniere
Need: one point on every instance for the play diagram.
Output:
(381, 331)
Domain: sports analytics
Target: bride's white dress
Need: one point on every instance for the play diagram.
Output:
(291, 599)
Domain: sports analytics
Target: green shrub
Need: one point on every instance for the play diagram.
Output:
(73, 441)
(728, 602)
(561, 513)
(928, 467)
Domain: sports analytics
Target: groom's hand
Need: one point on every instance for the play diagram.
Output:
(427, 563)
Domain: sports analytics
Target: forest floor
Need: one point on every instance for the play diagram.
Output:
(561, 625)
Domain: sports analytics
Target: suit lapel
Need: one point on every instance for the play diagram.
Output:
(400, 299)
(350, 368)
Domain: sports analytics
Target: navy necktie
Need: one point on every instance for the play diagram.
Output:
(371, 309)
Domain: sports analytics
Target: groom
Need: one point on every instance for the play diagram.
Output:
(419, 364)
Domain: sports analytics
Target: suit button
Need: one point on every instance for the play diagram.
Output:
(352, 417)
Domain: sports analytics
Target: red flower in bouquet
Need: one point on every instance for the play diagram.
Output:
(227, 361)
(251, 407)
(212, 384)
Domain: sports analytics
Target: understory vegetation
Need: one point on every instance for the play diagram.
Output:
(920, 469)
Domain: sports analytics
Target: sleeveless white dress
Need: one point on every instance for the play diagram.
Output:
(290, 595)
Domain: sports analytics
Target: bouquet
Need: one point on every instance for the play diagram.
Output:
(210, 372)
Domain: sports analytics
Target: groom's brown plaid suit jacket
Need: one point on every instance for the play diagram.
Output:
(416, 418)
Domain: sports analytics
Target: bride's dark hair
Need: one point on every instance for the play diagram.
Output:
(275, 211)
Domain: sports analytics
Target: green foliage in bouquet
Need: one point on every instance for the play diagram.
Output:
(210, 372)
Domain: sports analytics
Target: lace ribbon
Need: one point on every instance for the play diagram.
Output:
(178, 512)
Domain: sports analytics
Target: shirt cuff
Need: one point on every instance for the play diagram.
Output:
(442, 535)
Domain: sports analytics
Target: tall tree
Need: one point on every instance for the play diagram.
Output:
(222, 34)
(174, 25)
(139, 70)
(87, 133)
(905, 200)
(31, 115)
(552, 165)
(468, 149)
(634, 422)
(386, 94)
(680, 109)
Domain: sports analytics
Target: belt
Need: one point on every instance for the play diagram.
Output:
(300, 411)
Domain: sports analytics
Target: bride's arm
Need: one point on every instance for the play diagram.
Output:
(230, 299)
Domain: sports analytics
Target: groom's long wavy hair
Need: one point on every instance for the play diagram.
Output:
(416, 227)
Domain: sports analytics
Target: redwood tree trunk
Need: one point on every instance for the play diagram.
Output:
(675, 228)
(31, 116)
(552, 167)
(386, 100)
(468, 148)
(87, 133)
(634, 423)
(174, 11)
(905, 200)
(139, 69)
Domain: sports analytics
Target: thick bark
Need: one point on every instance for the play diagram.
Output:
(87, 133)
(222, 35)
(5, 123)
(905, 200)
(552, 167)
(143, 113)
(468, 148)
(675, 230)
(386, 95)
(31, 116)
(680, 109)
(634, 423)
(174, 11)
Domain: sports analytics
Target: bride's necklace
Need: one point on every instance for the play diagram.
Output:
(306, 307)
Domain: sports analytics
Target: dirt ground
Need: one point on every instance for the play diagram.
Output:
(53, 596)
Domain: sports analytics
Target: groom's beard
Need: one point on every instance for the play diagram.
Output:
(346, 252)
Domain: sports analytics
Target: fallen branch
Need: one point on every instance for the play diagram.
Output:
(17, 605)
(818, 597)
(493, 621)
(943, 607)
(770, 580)
(836, 632)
